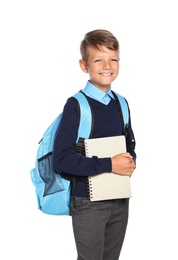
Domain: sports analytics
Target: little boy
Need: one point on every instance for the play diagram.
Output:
(99, 227)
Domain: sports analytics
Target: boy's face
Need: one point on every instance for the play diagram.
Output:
(102, 66)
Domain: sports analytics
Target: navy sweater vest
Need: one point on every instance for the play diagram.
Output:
(107, 122)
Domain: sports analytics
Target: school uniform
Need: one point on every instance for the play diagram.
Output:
(99, 227)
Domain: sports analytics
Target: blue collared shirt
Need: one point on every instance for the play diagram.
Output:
(97, 94)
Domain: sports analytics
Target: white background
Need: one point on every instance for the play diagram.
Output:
(39, 53)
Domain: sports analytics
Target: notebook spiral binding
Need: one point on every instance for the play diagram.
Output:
(89, 184)
(89, 188)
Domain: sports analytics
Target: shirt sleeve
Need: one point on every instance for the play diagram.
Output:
(65, 157)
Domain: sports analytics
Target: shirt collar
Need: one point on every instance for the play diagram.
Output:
(95, 92)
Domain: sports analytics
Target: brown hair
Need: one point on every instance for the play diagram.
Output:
(96, 39)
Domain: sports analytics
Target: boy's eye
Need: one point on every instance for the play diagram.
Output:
(99, 60)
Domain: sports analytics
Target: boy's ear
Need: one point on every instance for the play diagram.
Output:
(83, 66)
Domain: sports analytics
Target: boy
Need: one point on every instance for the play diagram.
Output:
(99, 227)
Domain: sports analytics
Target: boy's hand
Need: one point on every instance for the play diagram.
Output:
(123, 164)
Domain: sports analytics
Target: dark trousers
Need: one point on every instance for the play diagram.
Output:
(99, 227)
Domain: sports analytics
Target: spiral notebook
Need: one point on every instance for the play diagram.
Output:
(107, 185)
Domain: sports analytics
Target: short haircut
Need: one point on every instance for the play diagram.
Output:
(96, 39)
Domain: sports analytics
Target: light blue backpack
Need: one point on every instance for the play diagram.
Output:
(53, 191)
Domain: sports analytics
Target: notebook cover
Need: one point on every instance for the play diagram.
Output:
(107, 185)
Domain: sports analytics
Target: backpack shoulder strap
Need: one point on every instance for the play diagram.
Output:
(124, 107)
(85, 115)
